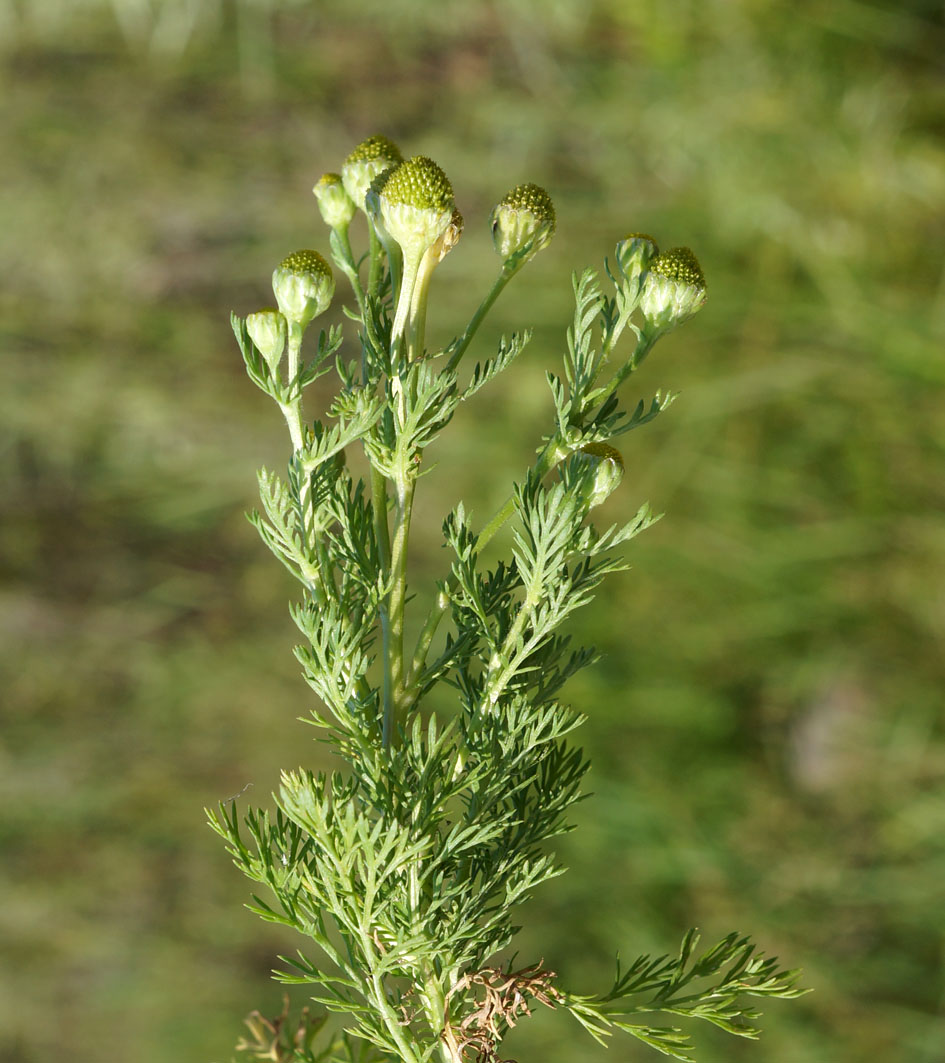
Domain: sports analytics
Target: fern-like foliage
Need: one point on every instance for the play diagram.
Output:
(403, 869)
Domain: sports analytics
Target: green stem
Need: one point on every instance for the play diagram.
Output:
(436, 614)
(619, 325)
(382, 1003)
(379, 508)
(382, 538)
(374, 276)
(435, 1008)
(407, 284)
(397, 602)
(502, 667)
(417, 320)
(292, 410)
(642, 349)
(350, 269)
(505, 275)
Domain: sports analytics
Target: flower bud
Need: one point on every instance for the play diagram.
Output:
(303, 285)
(606, 464)
(526, 213)
(369, 159)
(416, 205)
(673, 290)
(334, 204)
(634, 254)
(267, 329)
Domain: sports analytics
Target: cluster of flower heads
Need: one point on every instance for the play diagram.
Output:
(410, 207)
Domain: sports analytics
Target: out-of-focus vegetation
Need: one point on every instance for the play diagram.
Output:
(767, 725)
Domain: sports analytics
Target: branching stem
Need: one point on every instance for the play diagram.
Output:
(505, 275)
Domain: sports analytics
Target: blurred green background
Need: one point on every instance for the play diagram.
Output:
(766, 727)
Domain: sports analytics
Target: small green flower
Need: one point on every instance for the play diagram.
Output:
(673, 290)
(634, 254)
(606, 464)
(369, 159)
(335, 205)
(416, 204)
(268, 331)
(303, 285)
(522, 215)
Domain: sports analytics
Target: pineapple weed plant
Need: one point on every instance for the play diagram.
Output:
(403, 870)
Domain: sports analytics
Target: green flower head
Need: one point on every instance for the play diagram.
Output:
(416, 205)
(335, 205)
(303, 285)
(369, 159)
(673, 290)
(522, 215)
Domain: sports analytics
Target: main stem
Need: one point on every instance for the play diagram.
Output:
(394, 640)
(395, 703)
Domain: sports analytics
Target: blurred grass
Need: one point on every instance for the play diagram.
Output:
(767, 726)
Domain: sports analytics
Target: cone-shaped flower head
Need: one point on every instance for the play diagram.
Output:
(303, 285)
(334, 204)
(370, 158)
(267, 329)
(634, 254)
(674, 289)
(522, 215)
(416, 204)
(605, 464)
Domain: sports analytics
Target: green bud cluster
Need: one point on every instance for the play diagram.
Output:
(303, 285)
(524, 214)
